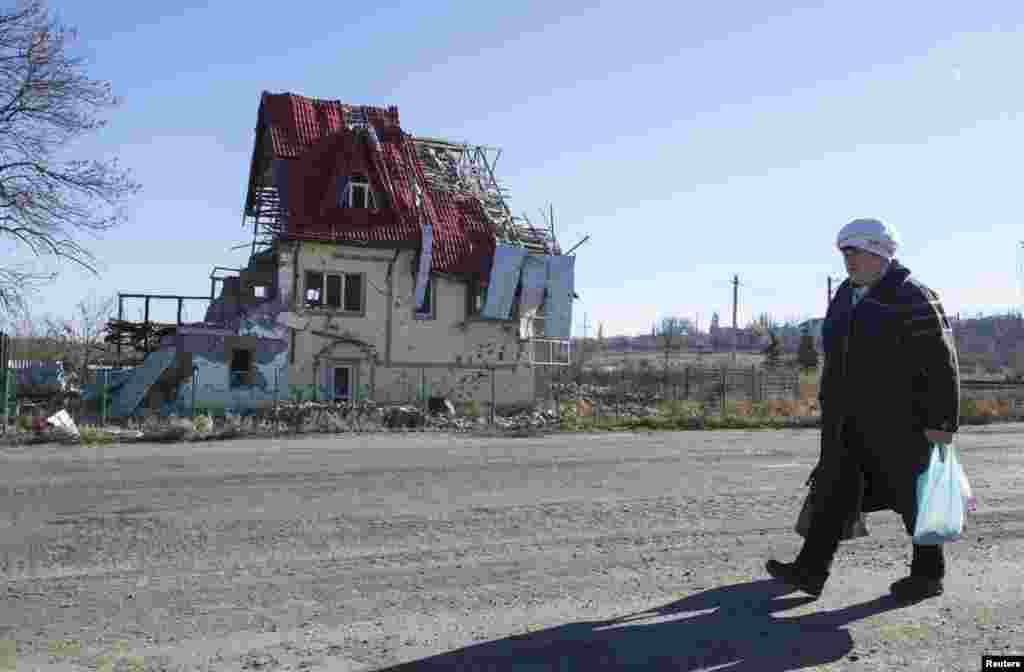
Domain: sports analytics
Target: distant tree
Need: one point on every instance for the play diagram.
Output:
(715, 333)
(807, 355)
(30, 335)
(47, 103)
(772, 351)
(766, 322)
(671, 334)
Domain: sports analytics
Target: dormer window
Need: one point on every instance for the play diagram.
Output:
(358, 194)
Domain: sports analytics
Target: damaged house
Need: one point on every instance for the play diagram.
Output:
(384, 266)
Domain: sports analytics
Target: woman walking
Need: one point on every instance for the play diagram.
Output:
(890, 389)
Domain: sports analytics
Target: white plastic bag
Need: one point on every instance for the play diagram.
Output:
(63, 422)
(970, 501)
(940, 498)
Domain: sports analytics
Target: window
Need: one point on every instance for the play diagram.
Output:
(337, 291)
(476, 295)
(241, 368)
(342, 383)
(358, 194)
(426, 311)
(353, 293)
(259, 291)
(314, 289)
(334, 291)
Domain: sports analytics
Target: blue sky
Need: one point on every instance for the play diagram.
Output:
(691, 141)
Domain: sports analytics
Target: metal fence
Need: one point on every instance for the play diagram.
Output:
(7, 392)
(713, 387)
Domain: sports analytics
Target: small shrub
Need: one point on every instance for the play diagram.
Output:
(202, 424)
(90, 435)
(739, 409)
(471, 409)
(680, 409)
(984, 411)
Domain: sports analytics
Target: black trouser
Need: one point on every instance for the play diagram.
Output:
(836, 500)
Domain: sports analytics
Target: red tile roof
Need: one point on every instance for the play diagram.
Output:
(324, 151)
(296, 122)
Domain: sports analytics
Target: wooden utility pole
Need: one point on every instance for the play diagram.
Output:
(828, 299)
(735, 300)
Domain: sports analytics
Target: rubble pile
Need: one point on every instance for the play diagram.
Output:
(526, 420)
(606, 400)
(301, 417)
(322, 415)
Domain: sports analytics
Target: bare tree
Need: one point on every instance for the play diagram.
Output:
(81, 337)
(46, 102)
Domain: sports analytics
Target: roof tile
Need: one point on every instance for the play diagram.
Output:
(322, 149)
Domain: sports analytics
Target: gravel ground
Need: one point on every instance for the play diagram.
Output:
(428, 552)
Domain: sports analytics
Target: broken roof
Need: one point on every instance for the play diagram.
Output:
(325, 142)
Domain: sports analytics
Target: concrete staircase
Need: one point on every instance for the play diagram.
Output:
(127, 399)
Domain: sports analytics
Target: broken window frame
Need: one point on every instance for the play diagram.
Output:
(310, 287)
(539, 317)
(358, 184)
(327, 291)
(241, 377)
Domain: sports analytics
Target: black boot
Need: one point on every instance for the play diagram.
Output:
(809, 571)
(797, 577)
(927, 570)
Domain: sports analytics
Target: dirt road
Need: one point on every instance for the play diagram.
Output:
(426, 552)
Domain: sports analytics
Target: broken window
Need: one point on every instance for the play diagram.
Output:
(314, 289)
(538, 319)
(339, 291)
(359, 193)
(241, 368)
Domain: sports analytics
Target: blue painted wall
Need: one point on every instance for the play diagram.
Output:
(215, 393)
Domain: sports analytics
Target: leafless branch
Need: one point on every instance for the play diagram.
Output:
(47, 101)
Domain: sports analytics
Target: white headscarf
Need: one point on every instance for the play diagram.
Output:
(872, 235)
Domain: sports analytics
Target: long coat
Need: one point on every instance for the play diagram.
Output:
(890, 367)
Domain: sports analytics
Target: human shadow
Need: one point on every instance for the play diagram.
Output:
(729, 626)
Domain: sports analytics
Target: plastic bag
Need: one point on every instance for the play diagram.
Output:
(63, 422)
(970, 501)
(940, 498)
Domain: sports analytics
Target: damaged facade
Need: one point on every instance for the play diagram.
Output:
(384, 267)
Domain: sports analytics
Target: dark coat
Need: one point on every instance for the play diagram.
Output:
(890, 367)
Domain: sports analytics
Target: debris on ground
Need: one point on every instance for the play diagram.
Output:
(63, 424)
